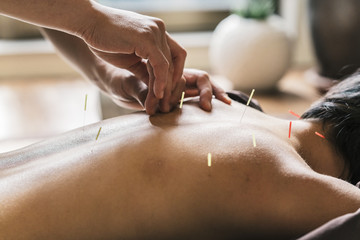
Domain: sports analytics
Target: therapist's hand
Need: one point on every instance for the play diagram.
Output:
(198, 83)
(129, 91)
(119, 37)
(131, 41)
(195, 83)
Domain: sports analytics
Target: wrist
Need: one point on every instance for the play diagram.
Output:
(96, 71)
(87, 23)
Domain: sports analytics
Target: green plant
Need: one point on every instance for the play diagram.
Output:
(257, 9)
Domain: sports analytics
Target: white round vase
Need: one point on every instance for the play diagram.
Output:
(251, 53)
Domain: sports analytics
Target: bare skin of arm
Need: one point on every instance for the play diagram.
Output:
(57, 14)
(129, 88)
(147, 178)
(122, 38)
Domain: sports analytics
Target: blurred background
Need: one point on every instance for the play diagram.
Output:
(41, 95)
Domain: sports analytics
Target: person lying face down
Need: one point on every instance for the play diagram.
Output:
(148, 177)
(339, 111)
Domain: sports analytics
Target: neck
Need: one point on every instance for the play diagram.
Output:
(319, 153)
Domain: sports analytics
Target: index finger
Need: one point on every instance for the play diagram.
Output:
(178, 54)
(151, 102)
(160, 67)
(205, 89)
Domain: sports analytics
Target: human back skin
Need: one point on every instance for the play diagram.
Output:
(148, 178)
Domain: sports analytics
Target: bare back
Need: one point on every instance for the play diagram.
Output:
(148, 178)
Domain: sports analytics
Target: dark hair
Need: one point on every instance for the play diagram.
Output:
(339, 111)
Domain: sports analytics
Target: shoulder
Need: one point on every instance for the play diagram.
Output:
(310, 199)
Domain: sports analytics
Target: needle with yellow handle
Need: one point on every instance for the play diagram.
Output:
(182, 99)
(97, 136)
(251, 95)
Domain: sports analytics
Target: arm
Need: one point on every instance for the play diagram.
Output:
(312, 200)
(123, 87)
(112, 34)
(54, 14)
(129, 89)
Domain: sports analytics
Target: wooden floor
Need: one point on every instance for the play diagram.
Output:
(33, 109)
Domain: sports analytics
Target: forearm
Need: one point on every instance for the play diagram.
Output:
(71, 16)
(78, 54)
(105, 76)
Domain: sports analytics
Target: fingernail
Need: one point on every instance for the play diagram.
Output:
(208, 105)
(228, 99)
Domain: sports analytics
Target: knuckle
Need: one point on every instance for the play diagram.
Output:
(160, 24)
(182, 82)
(156, 26)
(183, 52)
(206, 92)
(204, 75)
